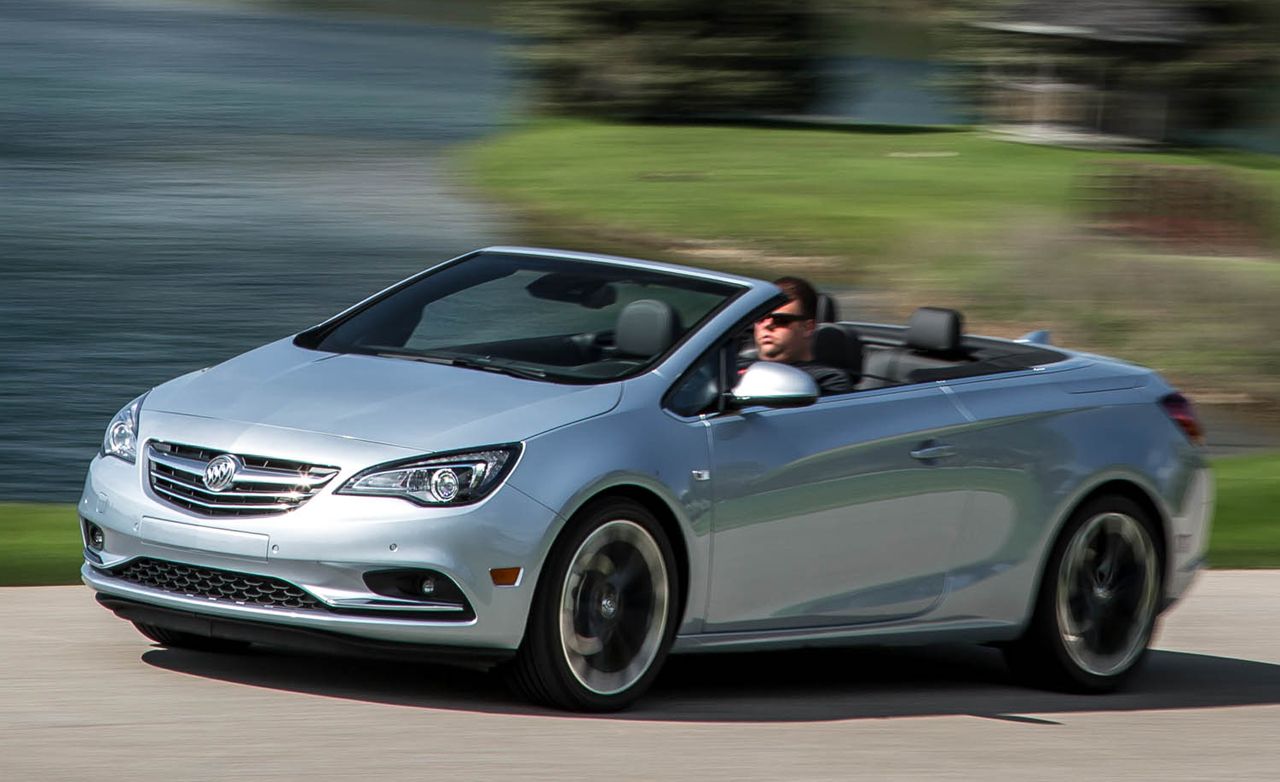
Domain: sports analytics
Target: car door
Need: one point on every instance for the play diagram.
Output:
(838, 513)
(1026, 451)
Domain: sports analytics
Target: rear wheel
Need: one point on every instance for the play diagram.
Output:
(604, 614)
(1098, 600)
(176, 639)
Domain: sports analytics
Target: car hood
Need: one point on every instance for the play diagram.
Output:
(424, 407)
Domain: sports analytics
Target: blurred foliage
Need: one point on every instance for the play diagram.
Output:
(1205, 321)
(1190, 208)
(669, 59)
(1220, 77)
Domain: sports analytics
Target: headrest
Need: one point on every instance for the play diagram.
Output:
(826, 311)
(838, 347)
(935, 329)
(646, 328)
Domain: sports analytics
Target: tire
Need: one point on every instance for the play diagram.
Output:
(1098, 600)
(176, 639)
(604, 614)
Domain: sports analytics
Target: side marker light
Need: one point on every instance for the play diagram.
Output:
(506, 576)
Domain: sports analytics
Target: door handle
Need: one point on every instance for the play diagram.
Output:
(929, 453)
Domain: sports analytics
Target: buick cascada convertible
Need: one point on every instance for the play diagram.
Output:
(566, 467)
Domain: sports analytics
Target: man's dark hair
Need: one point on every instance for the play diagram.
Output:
(801, 291)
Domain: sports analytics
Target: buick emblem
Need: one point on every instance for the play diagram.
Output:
(220, 472)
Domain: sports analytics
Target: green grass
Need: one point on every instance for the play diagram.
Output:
(871, 197)
(42, 542)
(1246, 525)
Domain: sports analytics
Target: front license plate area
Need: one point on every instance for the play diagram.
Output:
(196, 537)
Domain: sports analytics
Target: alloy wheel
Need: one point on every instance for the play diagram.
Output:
(613, 607)
(1107, 593)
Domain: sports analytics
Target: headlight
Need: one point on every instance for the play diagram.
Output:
(455, 478)
(121, 438)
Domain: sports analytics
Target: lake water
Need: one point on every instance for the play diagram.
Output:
(179, 184)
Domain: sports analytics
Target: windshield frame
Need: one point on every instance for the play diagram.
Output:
(312, 338)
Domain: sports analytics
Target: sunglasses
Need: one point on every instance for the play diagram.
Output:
(776, 319)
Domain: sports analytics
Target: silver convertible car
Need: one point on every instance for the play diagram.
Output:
(566, 467)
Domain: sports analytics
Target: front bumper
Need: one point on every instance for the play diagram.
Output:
(326, 548)
(297, 638)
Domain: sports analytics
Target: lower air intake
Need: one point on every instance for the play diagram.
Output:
(222, 586)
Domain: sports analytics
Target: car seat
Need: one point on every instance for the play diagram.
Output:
(933, 339)
(838, 345)
(646, 328)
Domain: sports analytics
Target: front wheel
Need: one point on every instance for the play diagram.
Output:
(604, 614)
(1098, 600)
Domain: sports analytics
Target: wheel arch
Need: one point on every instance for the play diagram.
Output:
(533, 671)
(1133, 490)
(1042, 653)
(1138, 494)
(667, 519)
(1111, 484)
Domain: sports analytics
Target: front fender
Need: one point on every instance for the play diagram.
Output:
(638, 449)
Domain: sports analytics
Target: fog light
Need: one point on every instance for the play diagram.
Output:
(427, 586)
(96, 539)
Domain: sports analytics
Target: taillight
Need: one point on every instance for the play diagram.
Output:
(1184, 415)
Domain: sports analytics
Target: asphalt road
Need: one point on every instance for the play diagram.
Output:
(82, 695)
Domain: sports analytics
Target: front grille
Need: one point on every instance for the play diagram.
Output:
(222, 586)
(261, 486)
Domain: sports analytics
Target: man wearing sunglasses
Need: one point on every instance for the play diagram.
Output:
(786, 335)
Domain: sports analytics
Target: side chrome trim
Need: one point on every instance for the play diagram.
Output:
(391, 605)
(913, 630)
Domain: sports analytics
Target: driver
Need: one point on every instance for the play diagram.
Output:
(786, 335)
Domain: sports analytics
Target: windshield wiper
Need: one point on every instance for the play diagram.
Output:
(469, 362)
(424, 358)
(488, 364)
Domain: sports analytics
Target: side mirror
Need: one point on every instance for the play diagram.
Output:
(774, 384)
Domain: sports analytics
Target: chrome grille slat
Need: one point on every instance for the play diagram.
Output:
(315, 477)
(262, 486)
(273, 508)
(176, 480)
(176, 463)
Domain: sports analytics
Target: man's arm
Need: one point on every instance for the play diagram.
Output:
(830, 380)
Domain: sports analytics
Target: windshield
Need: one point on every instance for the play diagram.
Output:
(535, 317)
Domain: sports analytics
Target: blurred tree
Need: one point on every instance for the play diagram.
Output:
(1154, 68)
(663, 59)
(1232, 62)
